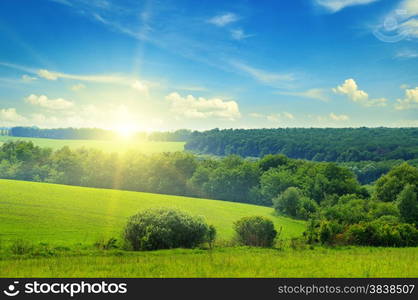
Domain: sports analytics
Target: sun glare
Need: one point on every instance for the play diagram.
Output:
(125, 131)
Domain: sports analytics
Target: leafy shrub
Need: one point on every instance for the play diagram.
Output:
(166, 228)
(349, 210)
(381, 209)
(255, 231)
(377, 233)
(328, 230)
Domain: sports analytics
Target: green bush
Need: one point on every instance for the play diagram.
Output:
(255, 231)
(349, 210)
(328, 230)
(377, 233)
(166, 228)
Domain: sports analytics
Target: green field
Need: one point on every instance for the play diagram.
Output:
(67, 215)
(223, 262)
(62, 223)
(107, 146)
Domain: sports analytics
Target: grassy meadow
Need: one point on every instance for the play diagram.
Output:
(67, 215)
(222, 262)
(63, 222)
(119, 146)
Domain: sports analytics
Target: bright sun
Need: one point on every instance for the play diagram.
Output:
(125, 131)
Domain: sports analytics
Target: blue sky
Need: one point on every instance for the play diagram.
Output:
(163, 65)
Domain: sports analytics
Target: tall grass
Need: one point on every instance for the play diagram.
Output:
(224, 262)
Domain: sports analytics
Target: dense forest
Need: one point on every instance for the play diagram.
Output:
(231, 178)
(317, 144)
(180, 135)
(339, 208)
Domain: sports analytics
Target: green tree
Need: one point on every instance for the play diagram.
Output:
(408, 204)
(390, 185)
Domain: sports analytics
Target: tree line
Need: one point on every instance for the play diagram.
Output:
(338, 207)
(180, 135)
(231, 178)
(317, 144)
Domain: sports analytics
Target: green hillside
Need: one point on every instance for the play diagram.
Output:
(67, 215)
(107, 146)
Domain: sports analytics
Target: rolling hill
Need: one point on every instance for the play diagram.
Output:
(67, 215)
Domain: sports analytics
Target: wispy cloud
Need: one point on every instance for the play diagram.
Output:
(318, 94)
(239, 34)
(26, 78)
(135, 83)
(266, 77)
(407, 53)
(337, 5)
(78, 87)
(223, 19)
(276, 117)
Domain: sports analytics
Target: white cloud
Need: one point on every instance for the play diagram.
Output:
(339, 117)
(318, 94)
(43, 101)
(337, 5)
(78, 87)
(27, 78)
(351, 90)
(404, 86)
(201, 108)
(263, 76)
(224, 19)
(239, 34)
(10, 117)
(410, 101)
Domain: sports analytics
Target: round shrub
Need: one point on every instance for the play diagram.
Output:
(255, 231)
(166, 228)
